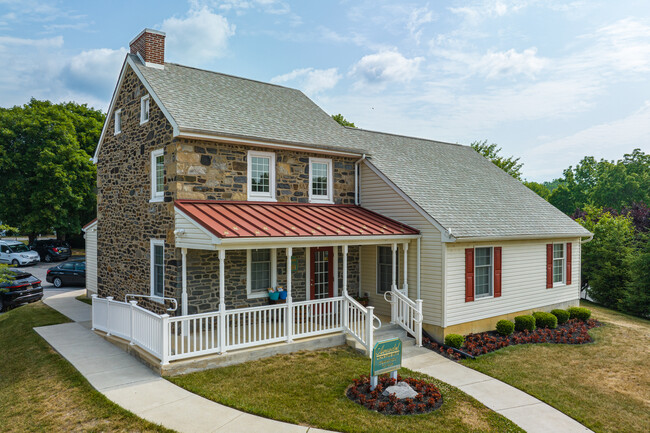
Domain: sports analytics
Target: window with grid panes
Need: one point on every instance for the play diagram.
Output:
(483, 272)
(385, 268)
(260, 270)
(558, 263)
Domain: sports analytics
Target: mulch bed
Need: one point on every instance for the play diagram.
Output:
(572, 332)
(427, 400)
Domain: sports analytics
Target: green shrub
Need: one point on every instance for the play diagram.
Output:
(562, 315)
(524, 322)
(454, 340)
(579, 313)
(545, 320)
(505, 327)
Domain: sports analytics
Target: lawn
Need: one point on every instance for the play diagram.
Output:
(604, 385)
(308, 388)
(40, 391)
(85, 299)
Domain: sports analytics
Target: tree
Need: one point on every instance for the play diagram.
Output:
(606, 258)
(510, 165)
(539, 188)
(342, 120)
(47, 179)
(636, 299)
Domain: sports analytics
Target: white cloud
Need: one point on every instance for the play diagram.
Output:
(386, 66)
(197, 39)
(94, 72)
(511, 62)
(607, 140)
(310, 80)
(417, 18)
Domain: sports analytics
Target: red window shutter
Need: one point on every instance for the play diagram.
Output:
(469, 274)
(549, 266)
(568, 263)
(497, 272)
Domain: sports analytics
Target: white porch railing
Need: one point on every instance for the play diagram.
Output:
(173, 338)
(406, 313)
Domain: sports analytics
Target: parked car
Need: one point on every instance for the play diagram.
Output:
(16, 253)
(67, 274)
(22, 288)
(51, 249)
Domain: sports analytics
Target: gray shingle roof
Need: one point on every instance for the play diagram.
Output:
(205, 101)
(455, 185)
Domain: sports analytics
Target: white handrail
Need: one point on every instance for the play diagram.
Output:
(406, 313)
(164, 298)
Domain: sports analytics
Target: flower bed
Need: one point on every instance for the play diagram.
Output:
(572, 332)
(427, 399)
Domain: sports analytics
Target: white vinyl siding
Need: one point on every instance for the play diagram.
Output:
(91, 259)
(523, 281)
(261, 176)
(378, 196)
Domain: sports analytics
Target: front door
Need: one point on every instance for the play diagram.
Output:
(322, 273)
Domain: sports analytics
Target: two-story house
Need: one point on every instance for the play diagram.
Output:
(213, 188)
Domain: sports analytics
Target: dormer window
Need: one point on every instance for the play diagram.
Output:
(144, 109)
(261, 176)
(118, 121)
(320, 180)
(157, 175)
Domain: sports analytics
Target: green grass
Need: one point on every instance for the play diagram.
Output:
(84, 299)
(605, 386)
(42, 392)
(308, 388)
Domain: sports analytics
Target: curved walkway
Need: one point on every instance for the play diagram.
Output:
(127, 382)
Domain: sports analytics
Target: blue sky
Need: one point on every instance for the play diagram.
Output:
(549, 81)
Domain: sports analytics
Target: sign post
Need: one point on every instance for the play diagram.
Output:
(386, 358)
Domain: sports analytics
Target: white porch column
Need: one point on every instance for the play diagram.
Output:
(184, 307)
(393, 285)
(336, 270)
(405, 286)
(289, 313)
(222, 301)
(345, 269)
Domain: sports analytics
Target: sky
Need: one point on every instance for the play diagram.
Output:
(548, 81)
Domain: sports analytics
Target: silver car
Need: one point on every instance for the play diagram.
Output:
(17, 253)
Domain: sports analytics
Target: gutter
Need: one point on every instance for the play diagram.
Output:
(356, 179)
(521, 237)
(584, 241)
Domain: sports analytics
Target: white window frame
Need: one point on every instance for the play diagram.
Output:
(563, 282)
(144, 108)
(490, 294)
(261, 196)
(154, 243)
(156, 195)
(117, 121)
(377, 281)
(327, 199)
(274, 273)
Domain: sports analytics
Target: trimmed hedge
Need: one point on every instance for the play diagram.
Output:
(454, 340)
(505, 327)
(562, 316)
(524, 322)
(579, 313)
(545, 320)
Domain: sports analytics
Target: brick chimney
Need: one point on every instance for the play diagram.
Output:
(150, 45)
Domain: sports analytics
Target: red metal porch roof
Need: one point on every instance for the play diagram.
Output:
(237, 219)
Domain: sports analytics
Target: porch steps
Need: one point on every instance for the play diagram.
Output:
(387, 331)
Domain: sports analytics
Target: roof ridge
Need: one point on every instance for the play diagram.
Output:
(405, 136)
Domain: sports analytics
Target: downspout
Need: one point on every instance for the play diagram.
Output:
(356, 179)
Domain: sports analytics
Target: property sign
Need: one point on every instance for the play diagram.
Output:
(294, 264)
(386, 357)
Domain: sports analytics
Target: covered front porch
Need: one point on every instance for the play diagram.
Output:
(232, 252)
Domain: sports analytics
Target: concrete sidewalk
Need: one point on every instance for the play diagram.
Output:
(526, 411)
(130, 384)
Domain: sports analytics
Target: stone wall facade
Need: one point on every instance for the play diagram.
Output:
(194, 169)
(218, 171)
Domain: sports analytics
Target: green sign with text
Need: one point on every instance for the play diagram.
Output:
(386, 357)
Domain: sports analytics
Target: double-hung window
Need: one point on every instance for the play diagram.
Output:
(157, 175)
(118, 121)
(483, 272)
(261, 271)
(320, 180)
(157, 268)
(261, 176)
(558, 263)
(144, 109)
(385, 269)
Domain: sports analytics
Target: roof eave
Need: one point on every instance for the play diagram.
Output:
(460, 239)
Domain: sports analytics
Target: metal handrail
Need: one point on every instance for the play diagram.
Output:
(164, 298)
